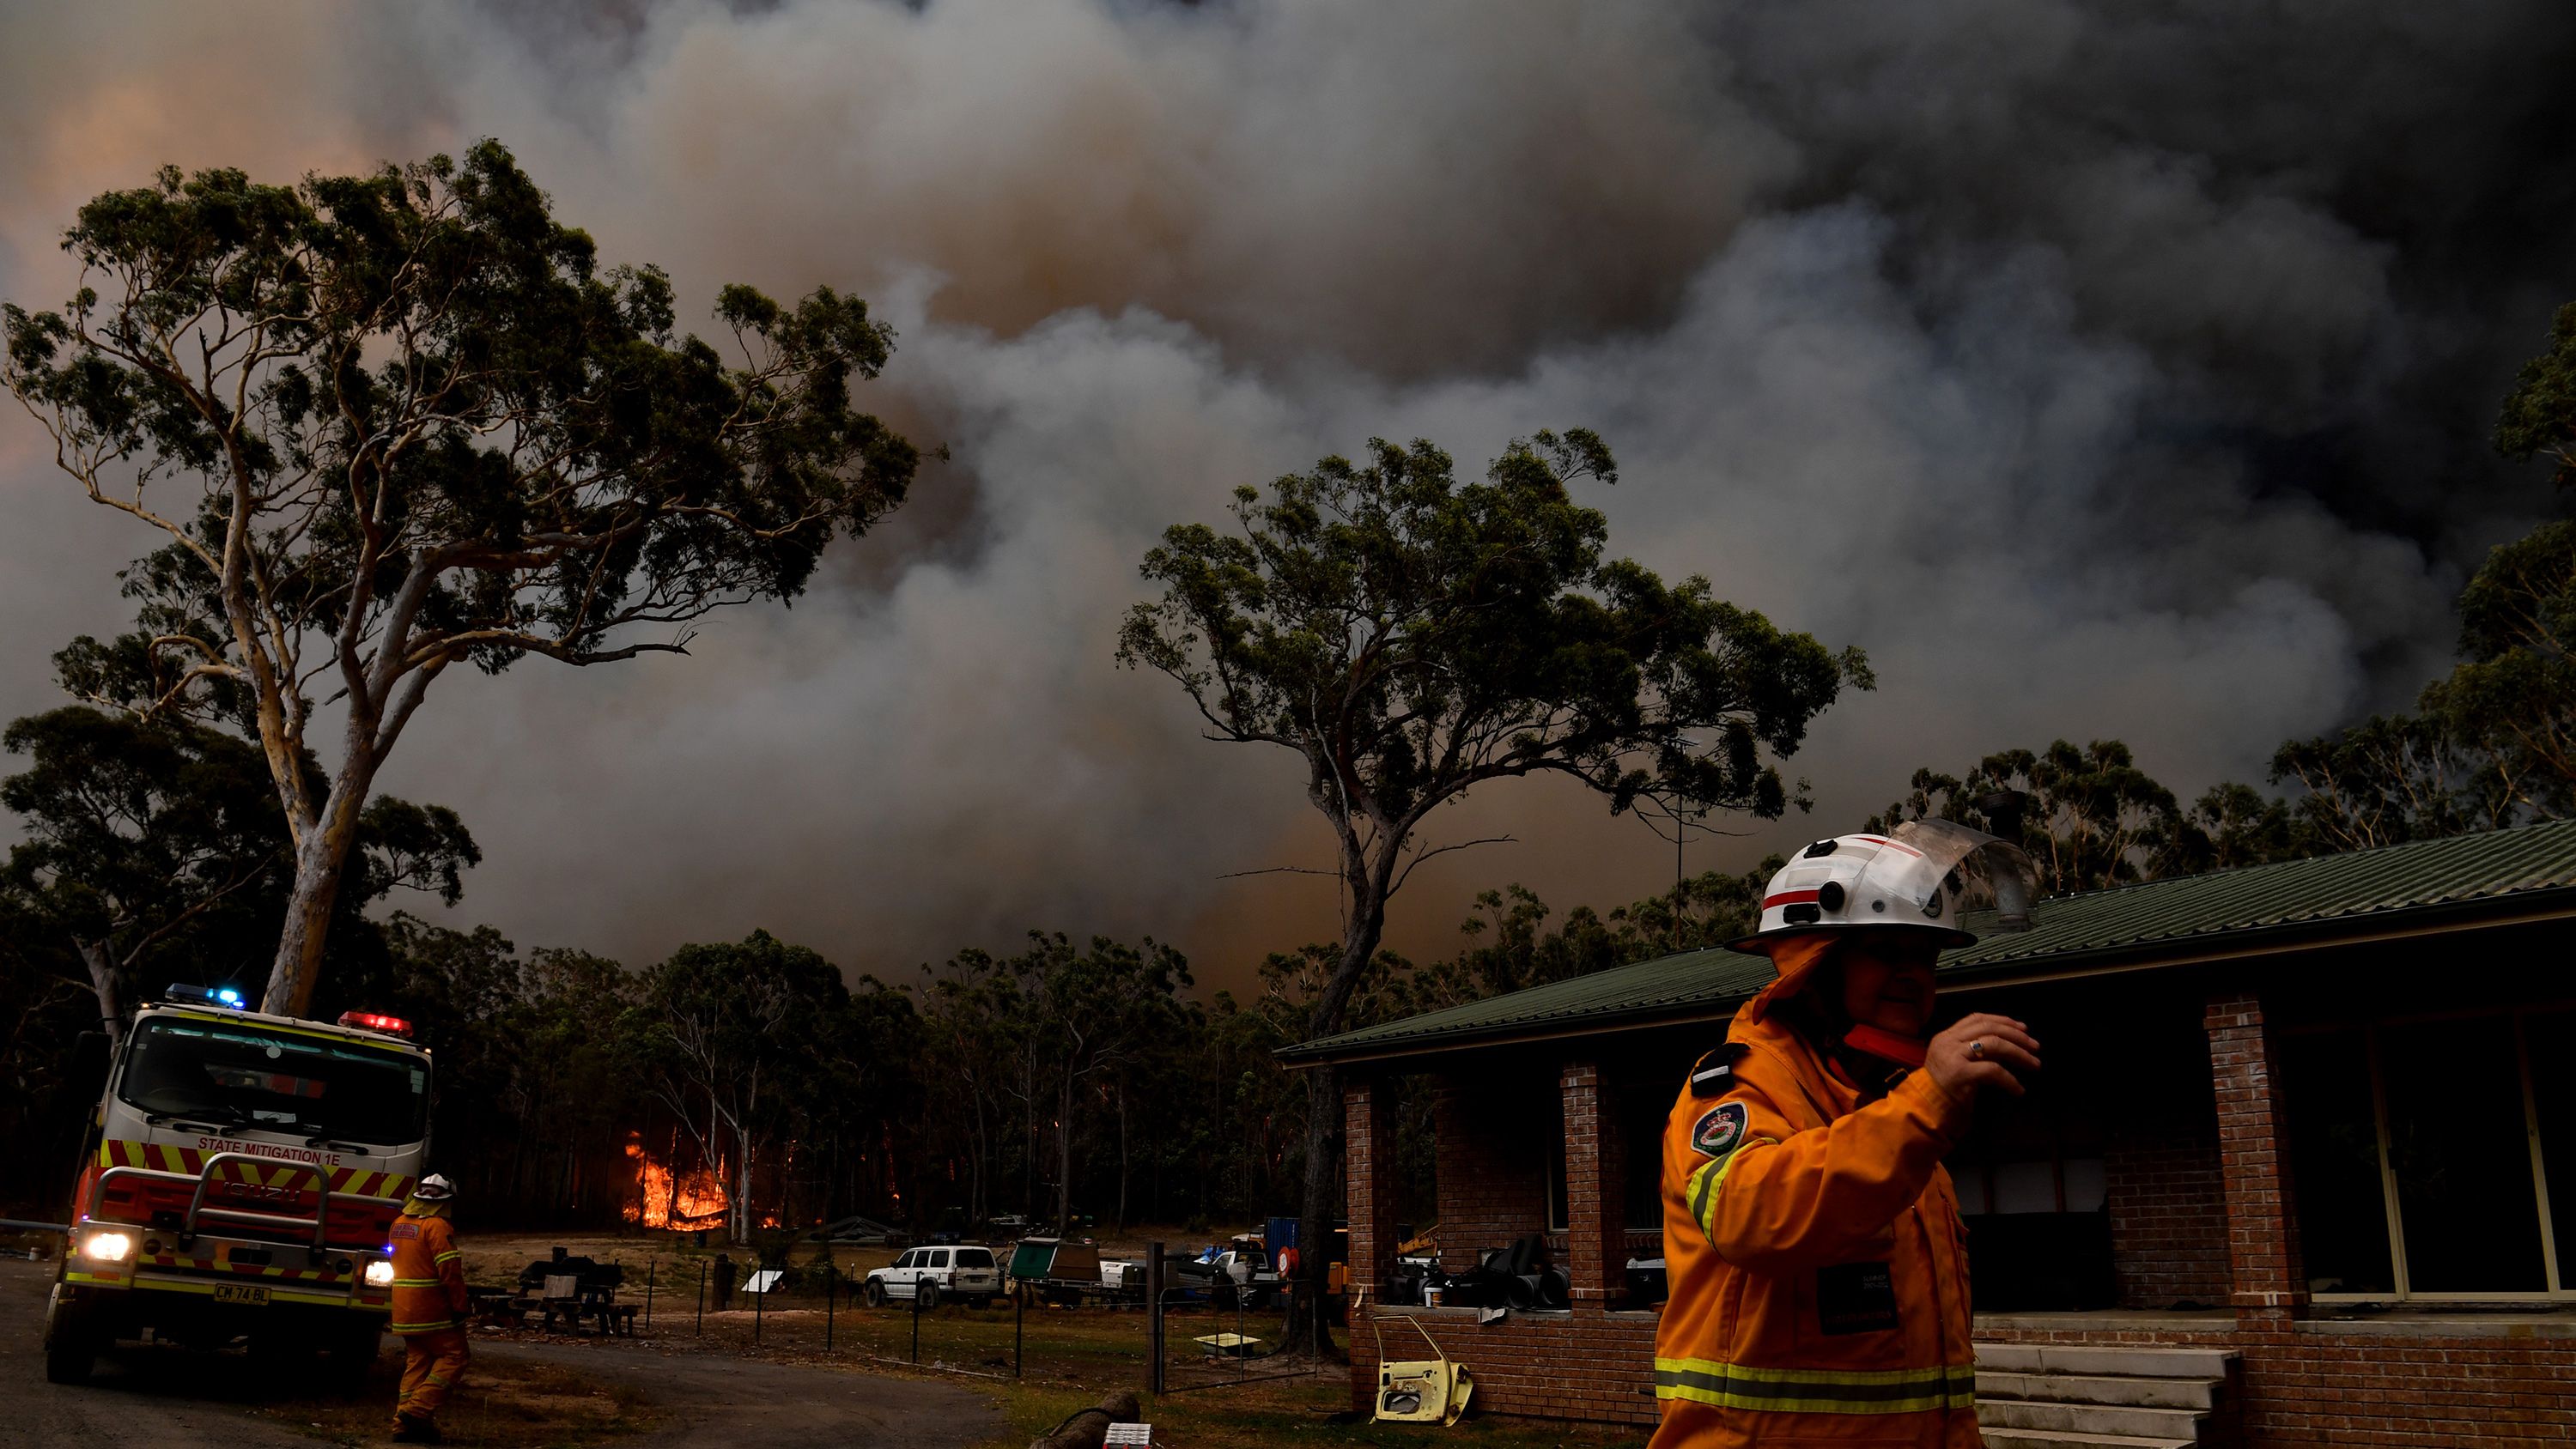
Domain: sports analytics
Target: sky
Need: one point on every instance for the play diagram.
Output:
(2102, 370)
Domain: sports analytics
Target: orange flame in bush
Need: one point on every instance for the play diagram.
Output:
(694, 1199)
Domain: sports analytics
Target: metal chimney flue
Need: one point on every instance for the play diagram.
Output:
(2003, 810)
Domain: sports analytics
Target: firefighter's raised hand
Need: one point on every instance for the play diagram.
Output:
(1982, 1050)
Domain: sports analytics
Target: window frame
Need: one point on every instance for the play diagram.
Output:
(2556, 1289)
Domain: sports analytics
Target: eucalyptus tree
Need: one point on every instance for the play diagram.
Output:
(1412, 637)
(393, 423)
(2088, 815)
(2512, 698)
(2514, 692)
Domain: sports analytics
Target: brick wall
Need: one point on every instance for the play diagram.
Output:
(2168, 1214)
(2168, 1204)
(1495, 1135)
(2329, 1388)
(1586, 1366)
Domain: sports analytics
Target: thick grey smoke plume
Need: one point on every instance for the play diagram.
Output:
(2101, 369)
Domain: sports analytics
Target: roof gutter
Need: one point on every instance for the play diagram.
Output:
(2532, 907)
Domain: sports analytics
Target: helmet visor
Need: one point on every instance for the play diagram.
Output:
(1927, 859)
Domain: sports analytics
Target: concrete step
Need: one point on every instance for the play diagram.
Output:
(2137, 1362)
(2177, 1424)
(2133, 1390)
(2056, 1439)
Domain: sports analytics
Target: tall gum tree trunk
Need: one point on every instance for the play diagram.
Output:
(742, 1186)
(102, 979)
(1315, 1220)
(1064, 1156)
(321, 862)
(1306, 1322)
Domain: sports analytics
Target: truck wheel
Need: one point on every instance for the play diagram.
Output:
(925, 1295)
(873, 1293)
(71, 1346)
(70, 1362)
(281, 1353)
(346, 1361)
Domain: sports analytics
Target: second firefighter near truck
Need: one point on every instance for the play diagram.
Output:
(1818, 1264)
(429, 1308)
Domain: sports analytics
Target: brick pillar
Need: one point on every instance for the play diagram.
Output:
(2268, 1282)
(1368, 1174)
(1368, 1138)
(1596, 1239)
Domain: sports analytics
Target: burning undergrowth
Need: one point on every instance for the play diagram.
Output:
(682, 1200)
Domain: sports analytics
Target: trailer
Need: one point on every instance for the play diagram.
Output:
(1052, 1270)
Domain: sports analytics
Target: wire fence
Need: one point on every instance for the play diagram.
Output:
(1179, 1330)
(1241, 1330)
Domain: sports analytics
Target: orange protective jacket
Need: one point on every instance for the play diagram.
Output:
(429, 1271)
(1818, 1267)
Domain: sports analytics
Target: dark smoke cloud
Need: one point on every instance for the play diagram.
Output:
(2102, 369)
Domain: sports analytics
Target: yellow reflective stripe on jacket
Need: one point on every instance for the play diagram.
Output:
(1816, 1391)
(450, 1256)
(1702, 1191)
(415, 1282)
(441, 1326)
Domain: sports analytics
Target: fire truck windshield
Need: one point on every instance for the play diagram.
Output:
(241, 1075)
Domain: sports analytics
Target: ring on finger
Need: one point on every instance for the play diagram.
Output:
(1977, 1050)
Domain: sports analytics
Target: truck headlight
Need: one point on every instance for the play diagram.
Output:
(108, 1247)
(380, 1274)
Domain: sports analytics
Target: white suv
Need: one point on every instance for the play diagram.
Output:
(927, 1275)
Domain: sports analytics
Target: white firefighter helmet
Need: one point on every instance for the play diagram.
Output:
(434, 1188)
(1911, 878)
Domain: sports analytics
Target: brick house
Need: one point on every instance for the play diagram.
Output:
(2302, 1169)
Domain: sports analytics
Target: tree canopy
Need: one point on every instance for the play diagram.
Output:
(394, 422)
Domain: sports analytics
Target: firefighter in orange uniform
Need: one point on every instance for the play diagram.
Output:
(1818, 1267)
(429, 1308)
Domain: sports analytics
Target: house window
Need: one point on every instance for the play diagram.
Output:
(2420, 1155)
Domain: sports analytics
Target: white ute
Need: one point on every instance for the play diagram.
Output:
(927, 1275)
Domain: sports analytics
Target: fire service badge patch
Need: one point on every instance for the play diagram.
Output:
(1719, 1129)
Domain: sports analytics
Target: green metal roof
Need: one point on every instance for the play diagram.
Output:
(2359, 893)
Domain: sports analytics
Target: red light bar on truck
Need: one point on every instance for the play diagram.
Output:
(375, 1021)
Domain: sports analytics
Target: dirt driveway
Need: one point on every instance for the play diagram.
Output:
(172, 1396)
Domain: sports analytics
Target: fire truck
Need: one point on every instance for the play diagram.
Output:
(239, 1180)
